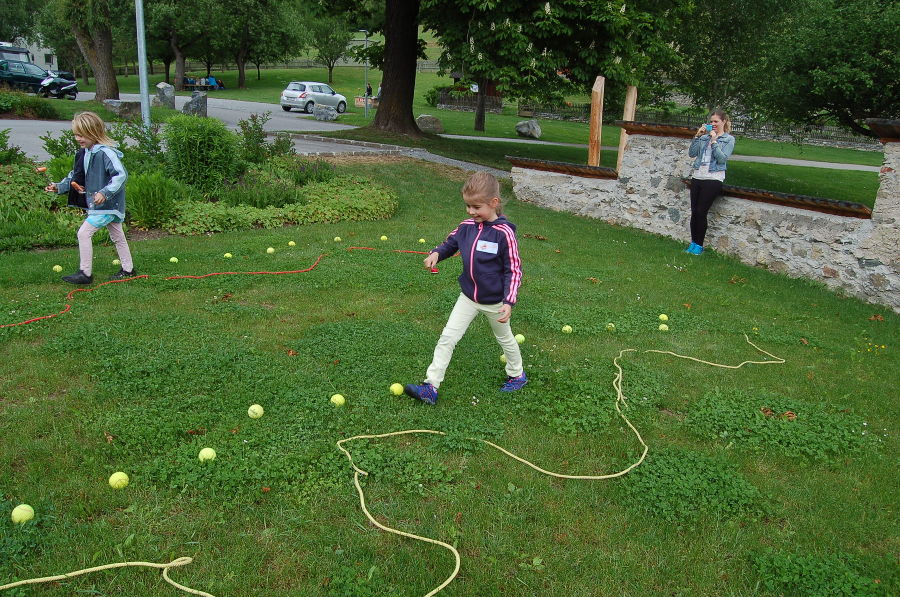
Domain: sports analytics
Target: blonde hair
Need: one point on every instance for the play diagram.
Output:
(483, 185)
(726, 122)
(90, 126)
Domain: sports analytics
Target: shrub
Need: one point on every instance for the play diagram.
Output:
(10, 155)
(299, 171)
(787, 573)
(23, 229)
(63, 147)
(282, 145)
(22, 188)
(432, 95)
(253, 138)
(260, 188)
(201, 152)
(59, 168)
(151, 198)
(141, 146)
(28, 106)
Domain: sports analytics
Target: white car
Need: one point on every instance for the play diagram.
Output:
(306, 94)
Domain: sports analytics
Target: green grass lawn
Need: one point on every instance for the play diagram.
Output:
(737, 496)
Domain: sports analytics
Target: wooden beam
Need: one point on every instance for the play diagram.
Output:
(627, 114)
(596, 122)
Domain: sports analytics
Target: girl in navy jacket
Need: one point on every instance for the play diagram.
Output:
(492, 272)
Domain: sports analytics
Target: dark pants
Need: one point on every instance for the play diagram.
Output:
(703, 193)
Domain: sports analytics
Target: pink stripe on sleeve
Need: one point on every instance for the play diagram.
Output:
(515, 263)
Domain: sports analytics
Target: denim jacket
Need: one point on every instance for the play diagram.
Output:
(721, 149)
(104, 173)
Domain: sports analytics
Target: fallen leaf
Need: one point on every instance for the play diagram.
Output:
(292, 353)
(109, 437)
(197, 431)
(594, 280)
(789, 415)
(804, 340)
(810, 375)
(877, 317)
(458, 518)
(266, 489)
(534, 236)
(687, 305)
(558, 251)
(235, 430)
(767, 411)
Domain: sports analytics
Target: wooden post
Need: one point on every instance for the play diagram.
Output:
(596, 122)
(627, 114)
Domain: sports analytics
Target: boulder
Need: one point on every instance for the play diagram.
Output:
(123, 109)
(165, 93)
(196, 106)
(528, 128)
(326, 113)
(430, 124)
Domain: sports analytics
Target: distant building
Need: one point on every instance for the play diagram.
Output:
(37, 54)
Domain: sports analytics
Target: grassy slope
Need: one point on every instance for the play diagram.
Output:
(206, 349)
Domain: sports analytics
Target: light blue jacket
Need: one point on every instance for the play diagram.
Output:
(721, 149)
(103, 173)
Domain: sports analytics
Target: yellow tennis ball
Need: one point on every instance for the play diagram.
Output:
(270, 250)
(118, 480)
(206, 454)
(567, 329)
(292, 243)
(228, 255)
(663, 327)
(116, 262)
(383, 237)
(663, 317)
(173, 259)
(520, 338)
(396, 389)
(337, 239)
(422, 240)
(610, 327)
(338, 400)
(503, 358)
(57, 268)
(22, 514)
(255, 411)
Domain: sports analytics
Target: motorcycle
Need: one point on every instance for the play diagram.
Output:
(58, 88)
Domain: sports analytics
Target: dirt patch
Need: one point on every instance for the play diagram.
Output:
(153, 234)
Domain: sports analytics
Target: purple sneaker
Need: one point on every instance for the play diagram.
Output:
(425, 392)
(514, 383)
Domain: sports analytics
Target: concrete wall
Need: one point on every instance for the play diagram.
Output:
(860, 256)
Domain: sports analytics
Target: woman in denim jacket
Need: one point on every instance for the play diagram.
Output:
(711, 147)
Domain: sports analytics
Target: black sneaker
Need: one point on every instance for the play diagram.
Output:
(78, 277)
(122, 274)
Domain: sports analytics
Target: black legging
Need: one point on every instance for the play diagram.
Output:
(703, 193)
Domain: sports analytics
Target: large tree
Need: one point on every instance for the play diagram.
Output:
(18, 19)
(401, 34)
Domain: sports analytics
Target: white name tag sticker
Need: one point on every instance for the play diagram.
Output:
(486, 247)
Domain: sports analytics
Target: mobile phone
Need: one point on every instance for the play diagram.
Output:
(708, 128)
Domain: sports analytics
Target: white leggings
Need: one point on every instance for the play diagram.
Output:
(462, 315)
(86, 247)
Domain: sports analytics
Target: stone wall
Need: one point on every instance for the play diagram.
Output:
(860, 256)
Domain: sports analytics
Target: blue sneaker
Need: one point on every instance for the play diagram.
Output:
(697, 250)
(425, 392)
(690, 247)
(514, 383)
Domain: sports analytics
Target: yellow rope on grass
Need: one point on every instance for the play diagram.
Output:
(621, 400)
(165, 574)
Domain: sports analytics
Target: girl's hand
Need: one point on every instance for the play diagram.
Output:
(431, 260)
(99, 198)
(701, 131)
(505, 313)
(713, 135)
(51, 188)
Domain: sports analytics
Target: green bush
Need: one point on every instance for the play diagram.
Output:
(282, 145)
(151, 198)
(260, 188)
(59, 168)
(28, 106)
(253, 138)
(805, 575)
(431, 96)
(141, 147)
(24, 229)
(22, 188)
(64, 146)
(201, 152)
(300, 171)
(10, 155)
(342, 199)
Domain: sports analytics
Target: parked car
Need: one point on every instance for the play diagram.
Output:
(306, 94)
(30, 77)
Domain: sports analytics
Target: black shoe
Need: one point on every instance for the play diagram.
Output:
(122, 274)
(78, 277)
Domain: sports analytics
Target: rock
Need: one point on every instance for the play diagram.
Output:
(165, 93)
(528, 128)
(326, 113)
(196, 106)
(430, 124)
(123, 108)
(154, 102)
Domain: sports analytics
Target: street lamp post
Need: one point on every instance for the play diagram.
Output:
(366, 70)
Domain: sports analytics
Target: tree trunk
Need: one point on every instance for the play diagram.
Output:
(96, 47)
(167, 64)
(241, 61)
(480, 100)
(401, 32)
(331, 73)
(179, 62)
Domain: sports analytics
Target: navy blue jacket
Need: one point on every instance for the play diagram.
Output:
(492, 270)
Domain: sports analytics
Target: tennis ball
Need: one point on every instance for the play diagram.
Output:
(337, 239)
(206, 454)
(422, 240)
(396, 389)
(22, 514)
(338, 400)
(383, 237)
(292, 243)
(57, 268)
(118, 480)
(116, 262)
(255, 411)
(270, 250)
(567, 329)
(520, 338)
(503, 358)
(663, 327)
(610, 327)
(228, 255)
(663, 317)
(173, 259)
